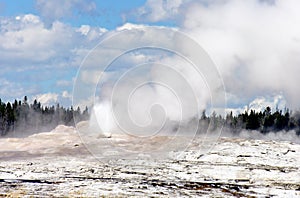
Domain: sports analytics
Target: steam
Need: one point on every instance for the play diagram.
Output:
(254, 44)
(102, 119)
(152, 98)
(162, 82)
(290, 136)
(145, 109)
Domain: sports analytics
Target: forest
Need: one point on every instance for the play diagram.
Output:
(20, 116)
(263, 121)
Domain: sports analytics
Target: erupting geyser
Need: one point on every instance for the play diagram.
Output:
(102, 120)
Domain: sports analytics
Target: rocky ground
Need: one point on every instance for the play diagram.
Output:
(57, 164)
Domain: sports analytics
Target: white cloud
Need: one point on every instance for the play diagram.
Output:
(47, 99)
(64, 98)
(58, 9)
(91, 33)
(34, 54)
(25, 38)
(29, 18)
(66, 94)
(84, 29)
(130, 26)
(160, 10)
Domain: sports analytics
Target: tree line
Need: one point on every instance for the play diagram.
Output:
(22, 117)
(264, 121)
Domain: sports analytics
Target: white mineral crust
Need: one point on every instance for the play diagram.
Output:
(57, 164)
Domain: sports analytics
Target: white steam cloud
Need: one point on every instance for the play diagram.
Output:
(163, 83)
(144, 98)
(254, 44)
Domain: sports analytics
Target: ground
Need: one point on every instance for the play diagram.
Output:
(58, 164)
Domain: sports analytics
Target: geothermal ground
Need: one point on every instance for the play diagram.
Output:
(57, 164)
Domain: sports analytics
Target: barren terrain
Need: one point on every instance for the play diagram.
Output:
(58, 164)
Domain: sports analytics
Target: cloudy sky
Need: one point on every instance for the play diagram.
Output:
(255, 44)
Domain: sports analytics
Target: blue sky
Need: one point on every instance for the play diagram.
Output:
(106, 14)
(255, 43)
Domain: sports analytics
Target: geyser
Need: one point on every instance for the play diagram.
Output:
(102, 119)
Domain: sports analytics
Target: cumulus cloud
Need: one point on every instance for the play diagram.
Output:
(53, 98)
(34, 57)
(47, 99)
(26, 38)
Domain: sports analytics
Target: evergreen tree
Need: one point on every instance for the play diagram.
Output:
(21, 116)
